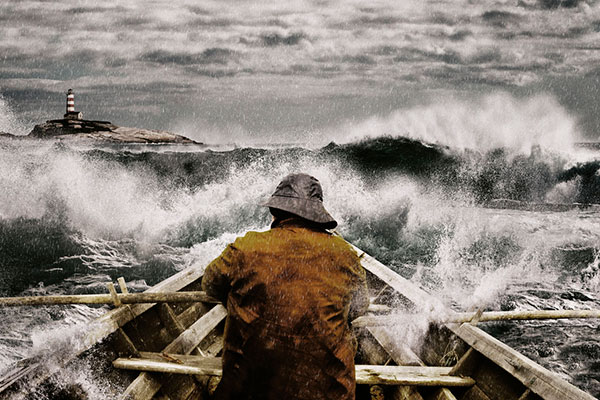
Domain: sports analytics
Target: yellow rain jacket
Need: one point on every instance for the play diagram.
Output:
(289, 292)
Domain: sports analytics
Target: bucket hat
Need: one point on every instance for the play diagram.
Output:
(302, 195)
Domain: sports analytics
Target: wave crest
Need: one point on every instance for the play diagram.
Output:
(493, 121)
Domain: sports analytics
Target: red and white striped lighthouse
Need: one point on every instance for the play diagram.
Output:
(70, 101)
(71, 113)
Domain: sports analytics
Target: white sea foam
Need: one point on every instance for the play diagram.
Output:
(110, 200)
(481, 123)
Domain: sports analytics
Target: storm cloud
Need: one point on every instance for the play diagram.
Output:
(235, 52)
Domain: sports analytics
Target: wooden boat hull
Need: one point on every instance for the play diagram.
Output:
(170, 351)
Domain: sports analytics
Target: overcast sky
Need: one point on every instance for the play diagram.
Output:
(278, 70)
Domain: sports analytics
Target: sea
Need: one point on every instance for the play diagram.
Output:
(76, 215)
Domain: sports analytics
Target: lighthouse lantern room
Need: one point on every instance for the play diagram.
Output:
(71, 113)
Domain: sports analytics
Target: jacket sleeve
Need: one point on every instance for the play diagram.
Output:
(360, 294)
(218, 274)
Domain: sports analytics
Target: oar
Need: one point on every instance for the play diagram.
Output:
(121, 298)
(390, 320)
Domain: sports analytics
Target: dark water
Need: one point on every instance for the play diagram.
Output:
(73, 218)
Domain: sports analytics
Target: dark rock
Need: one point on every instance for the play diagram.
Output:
(59, 127)
(69, 129)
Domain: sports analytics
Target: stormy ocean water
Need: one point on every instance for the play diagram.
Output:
(73, 217)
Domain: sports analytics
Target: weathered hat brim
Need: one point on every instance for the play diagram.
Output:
(312, 210)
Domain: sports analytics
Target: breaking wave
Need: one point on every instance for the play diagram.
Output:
(73, 219)
(486, 123)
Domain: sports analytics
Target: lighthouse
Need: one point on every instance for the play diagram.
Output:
(71, 113)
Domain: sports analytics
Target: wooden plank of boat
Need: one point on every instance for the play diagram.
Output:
(400, 353)
(145, 385)
(415, 294)
(127, 315)
(34, 371)
(539, 380)
(418, 297)
(406, 393)
(114, 319)
(443, 394)
(365, 374)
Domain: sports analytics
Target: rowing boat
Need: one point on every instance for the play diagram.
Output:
(170, 350)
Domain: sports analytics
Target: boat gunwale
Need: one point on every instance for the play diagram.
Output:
(100, 329)
(539, 380)
(533, 376)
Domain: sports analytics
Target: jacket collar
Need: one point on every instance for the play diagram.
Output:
(297, 222)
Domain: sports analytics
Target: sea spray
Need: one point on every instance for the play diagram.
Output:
(9, 120)
(145, 215)
(491, 121)
(91, 375)
(46, 332)
(591, 274)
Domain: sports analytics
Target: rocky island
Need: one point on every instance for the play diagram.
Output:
(68, 129)
(73, 127)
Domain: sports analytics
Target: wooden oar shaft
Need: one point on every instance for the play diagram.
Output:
(365, 374)
(125, 298)
(527, 315)
(388, 320)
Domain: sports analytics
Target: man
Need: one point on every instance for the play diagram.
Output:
(289, 293)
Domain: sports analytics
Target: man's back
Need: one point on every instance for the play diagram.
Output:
(288, 293)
